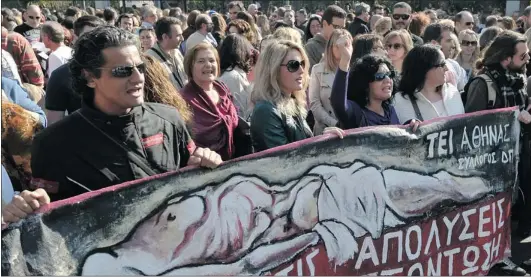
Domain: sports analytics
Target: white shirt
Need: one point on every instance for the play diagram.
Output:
(58, 57)
(440, 108)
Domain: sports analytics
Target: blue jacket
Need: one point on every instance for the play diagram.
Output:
(19, 96)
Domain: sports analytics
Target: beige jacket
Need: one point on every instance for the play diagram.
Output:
(321, 82)
(173, 63)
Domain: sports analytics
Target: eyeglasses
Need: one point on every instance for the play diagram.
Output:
(401, 16)
(126, 70)
(469, 43)
(380, 76)
(294, 66)
(469, 23)
(442, 64)
(337, 27)
(395, 46)
(34, 17)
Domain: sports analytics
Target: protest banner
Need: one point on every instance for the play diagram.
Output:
(383, 200)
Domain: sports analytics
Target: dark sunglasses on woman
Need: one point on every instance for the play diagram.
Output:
(126, 70)
(380, 76)
(293, 65)
(469, 43)
(395, 46)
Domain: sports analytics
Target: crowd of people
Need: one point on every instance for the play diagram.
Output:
(93, 98)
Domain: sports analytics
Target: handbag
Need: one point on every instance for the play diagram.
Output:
(242, 139)
(135, 158)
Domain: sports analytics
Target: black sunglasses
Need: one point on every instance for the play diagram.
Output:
(379, 76)
(470, 24)
(396, 46)
(469, 43)
(34, 17)
(126, 70)
(401, 16)
(293, 65)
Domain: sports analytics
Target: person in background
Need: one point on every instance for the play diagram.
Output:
(204, 27)
(247, 17)
(373, 20)
(239, 26)
(333, 18)
(169, 36)
(110, 15)
(402, 18)
(147, 38)
(418, 23)
(469, 41)
(215, 117)
(367, 44)
(252, 9)
(158, 89)
(454, 49)
(220, 27)
(27, 63)
(263, 25)
(507, 23)
(235, 64)
(15, 93)
(301, 19)
(440, 34)
(488, 35)
(423, 84)
(175, 12)
(9, 67)
(289, 20)
(463, 20)
(60, 97)
(31, 28)
(378, 10)
(279, 96)
(383, 26)
(149, 16)
(432, 15)
(398, 44)
(53, 38)
(313, 27)
(125, 21)
(360, 24)
(234, 8)
(288, 33)
(321, 81)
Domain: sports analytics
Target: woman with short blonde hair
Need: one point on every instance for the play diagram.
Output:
(470, 52)
(321, 81)
(279, 96)
(398, 43)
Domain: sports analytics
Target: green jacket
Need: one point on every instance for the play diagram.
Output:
(270, 128)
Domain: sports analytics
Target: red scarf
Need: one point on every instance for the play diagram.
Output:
(213, 125)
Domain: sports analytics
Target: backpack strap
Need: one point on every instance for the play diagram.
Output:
(418, 114)
(491, 90)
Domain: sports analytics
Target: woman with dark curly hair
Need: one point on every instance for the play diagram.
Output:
(235, 64)
(362, 97)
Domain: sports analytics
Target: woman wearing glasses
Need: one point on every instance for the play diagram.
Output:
(147, 38)
(279, 96)
(321, 81)
(469, 54)
(362, 97)
(398, 44)
(424, 93)
(215, 117)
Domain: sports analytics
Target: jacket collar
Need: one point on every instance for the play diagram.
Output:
(98, 116)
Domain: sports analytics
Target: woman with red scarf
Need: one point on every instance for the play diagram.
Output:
(215, 118)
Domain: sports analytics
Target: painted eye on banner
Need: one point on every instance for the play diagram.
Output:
(171, 217)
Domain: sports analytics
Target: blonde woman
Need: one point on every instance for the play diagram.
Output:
(279, 96)
(398, 44)
(469, 54)
(321, 81)
(383, 26)
(455, 49)
(288, 33)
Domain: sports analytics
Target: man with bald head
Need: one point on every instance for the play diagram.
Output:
(463, 20)
(31, 29)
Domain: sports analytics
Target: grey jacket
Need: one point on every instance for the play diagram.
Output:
(315, 48)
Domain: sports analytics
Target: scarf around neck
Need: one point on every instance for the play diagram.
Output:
(512, 86)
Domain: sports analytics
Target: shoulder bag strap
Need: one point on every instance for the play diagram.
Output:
(176, 76)
(135, 158)
(418, 114)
